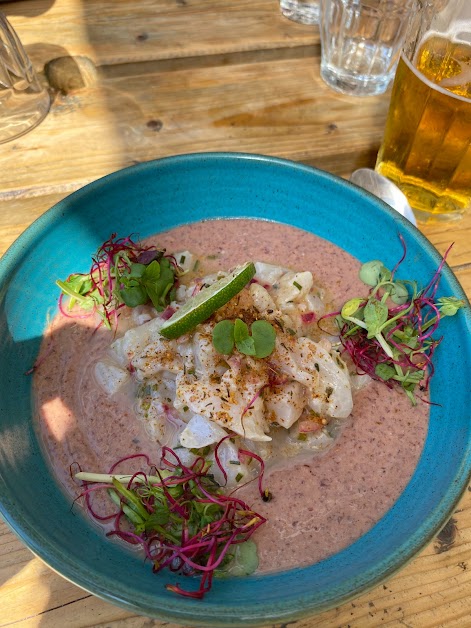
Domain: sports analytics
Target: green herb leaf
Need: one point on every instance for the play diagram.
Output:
(122, 272)
(241, 330)
(139, 283)
(260, 342)
(264, 336)
(78, 289)
(352, 307)
(160, 517)
(243, 341)
(392, 344)
(151, 274)
(412, 377)
(223, 337)
(133, 501)
(407, 336)
(81, 284)
(246, 346)
(375, 315)
(137, 270)
(372, 272)
(243, 563)
(399, 293)
(131, 514)
(158, 280)
(134, 296)
(385, 371)
(448, 306)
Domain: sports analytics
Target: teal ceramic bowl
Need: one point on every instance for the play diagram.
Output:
(155, 196)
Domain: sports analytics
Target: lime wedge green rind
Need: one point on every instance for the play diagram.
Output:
(200, 307)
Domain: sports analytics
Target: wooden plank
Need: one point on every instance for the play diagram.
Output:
(276, 108)
(457, 234)
(464, 277)
(109, 33)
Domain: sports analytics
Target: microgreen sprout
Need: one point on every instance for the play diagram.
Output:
(259, 342)
(388, 334)
(122, 273)
(181, 518)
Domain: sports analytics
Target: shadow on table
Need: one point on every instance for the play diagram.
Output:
(20, 7)
(25, 7)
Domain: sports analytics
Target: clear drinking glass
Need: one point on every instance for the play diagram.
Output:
(304, 11)
(426, 150)
(24, 102)
(361, 43)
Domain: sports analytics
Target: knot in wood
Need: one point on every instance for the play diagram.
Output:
(68, 74)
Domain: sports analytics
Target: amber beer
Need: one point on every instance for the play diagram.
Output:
(426, 149)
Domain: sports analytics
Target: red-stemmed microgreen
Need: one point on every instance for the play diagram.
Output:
(123, 272)
(264, 493)
(242, 453)
(389, 333)
(181, 518)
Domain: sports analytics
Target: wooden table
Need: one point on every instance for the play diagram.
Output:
(144, 79)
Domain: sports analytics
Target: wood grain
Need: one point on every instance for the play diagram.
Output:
(276, 108)
(123, 32)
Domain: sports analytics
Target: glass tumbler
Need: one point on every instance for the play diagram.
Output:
(361, 42)
(24, 102)
(303, 11)
(426, 150)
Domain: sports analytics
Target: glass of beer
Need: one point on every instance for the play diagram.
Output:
(426, 150)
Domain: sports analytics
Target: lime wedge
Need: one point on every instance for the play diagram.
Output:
(200, 307)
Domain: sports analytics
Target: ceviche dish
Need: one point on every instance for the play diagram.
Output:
(236, 396)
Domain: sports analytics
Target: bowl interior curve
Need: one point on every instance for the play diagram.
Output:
(156, 196)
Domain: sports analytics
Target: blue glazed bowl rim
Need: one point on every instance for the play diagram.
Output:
(256, 612)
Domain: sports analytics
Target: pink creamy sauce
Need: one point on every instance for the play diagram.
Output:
(326, 501)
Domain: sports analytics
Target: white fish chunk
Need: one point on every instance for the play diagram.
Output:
(285, 404)
(296, 358)
(185, 260)
(135, 340)
(153, 417)
(292, 287)
(312, 303)
(268, 273)
(234, 402)
(201, 432)
(206, 358)
(326, 379)
(158, 355)
(335, 393)
(110, 377)
(142, 314)
(261, 298)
